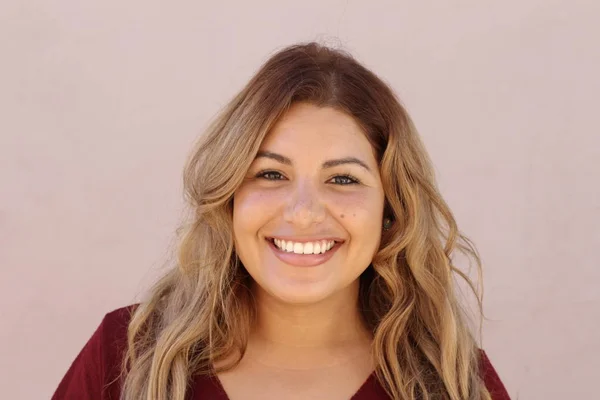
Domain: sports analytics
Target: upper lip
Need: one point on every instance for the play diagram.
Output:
(306, 239)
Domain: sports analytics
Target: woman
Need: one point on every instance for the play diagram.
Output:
(317, 264)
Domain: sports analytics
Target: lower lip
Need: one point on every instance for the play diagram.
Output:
(303, 260)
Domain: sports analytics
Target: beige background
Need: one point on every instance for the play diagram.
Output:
(101, 100)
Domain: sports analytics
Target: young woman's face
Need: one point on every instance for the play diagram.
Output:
(308, 218)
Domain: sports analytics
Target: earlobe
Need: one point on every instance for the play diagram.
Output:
(387, 223)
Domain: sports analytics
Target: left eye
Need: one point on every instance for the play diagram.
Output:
(345, 180)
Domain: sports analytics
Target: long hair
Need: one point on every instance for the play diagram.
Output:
(200, 313)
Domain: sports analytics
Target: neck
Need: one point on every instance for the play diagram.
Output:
(326, 332)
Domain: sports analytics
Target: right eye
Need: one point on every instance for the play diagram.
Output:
(270, 175)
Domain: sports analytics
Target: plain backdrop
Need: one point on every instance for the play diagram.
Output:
(100, 102)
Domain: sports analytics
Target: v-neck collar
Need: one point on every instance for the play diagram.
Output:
(369, 390)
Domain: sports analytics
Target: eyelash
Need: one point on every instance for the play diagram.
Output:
(352, 179)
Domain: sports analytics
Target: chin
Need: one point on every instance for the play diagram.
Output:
(294, 292)
(298, 293)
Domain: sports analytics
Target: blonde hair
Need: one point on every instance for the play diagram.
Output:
(200, 313)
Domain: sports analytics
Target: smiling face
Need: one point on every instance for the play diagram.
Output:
(313, 188)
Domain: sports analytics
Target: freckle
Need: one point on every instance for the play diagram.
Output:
(354, 215)
(341, 215)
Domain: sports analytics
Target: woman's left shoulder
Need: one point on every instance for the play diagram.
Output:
(491, 378)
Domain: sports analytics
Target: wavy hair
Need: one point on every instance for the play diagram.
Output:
(200, 313)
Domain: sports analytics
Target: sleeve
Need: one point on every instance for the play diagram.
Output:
(85, 376)
(94, 374)
(491, 379)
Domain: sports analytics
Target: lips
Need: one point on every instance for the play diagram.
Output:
(300, 247)
(303, 260)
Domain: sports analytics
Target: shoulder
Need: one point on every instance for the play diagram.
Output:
(95, 372)
(112, 338)
(491, 379)
(113, 327)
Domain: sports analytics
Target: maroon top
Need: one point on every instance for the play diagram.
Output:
(93, 374)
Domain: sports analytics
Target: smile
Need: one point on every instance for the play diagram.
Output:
(304, 254)
(316, 247)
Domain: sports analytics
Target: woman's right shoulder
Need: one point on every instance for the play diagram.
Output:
(111, 334)
(95, 372)
(117, 321)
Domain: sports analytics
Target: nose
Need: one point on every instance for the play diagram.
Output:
(305, 207)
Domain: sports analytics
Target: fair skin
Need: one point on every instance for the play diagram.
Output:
(315, 180)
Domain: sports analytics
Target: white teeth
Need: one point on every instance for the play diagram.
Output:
(318, 247)
(298, 248)
(308, 248)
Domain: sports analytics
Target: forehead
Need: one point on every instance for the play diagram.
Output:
(306, 127)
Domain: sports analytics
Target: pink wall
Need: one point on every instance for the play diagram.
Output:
(101, 100)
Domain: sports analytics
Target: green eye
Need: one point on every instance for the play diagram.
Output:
(270, 175)
(345, 180)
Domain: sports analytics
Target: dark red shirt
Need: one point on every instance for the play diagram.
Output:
(94, 373)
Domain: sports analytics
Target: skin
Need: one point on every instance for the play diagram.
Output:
(308, 320)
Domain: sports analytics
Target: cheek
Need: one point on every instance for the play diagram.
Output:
(251, 208)
(358, 212)
(252, 199)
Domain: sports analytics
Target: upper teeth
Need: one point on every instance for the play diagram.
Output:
(318, 247)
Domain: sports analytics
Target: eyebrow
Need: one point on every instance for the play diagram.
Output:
(326, 164)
